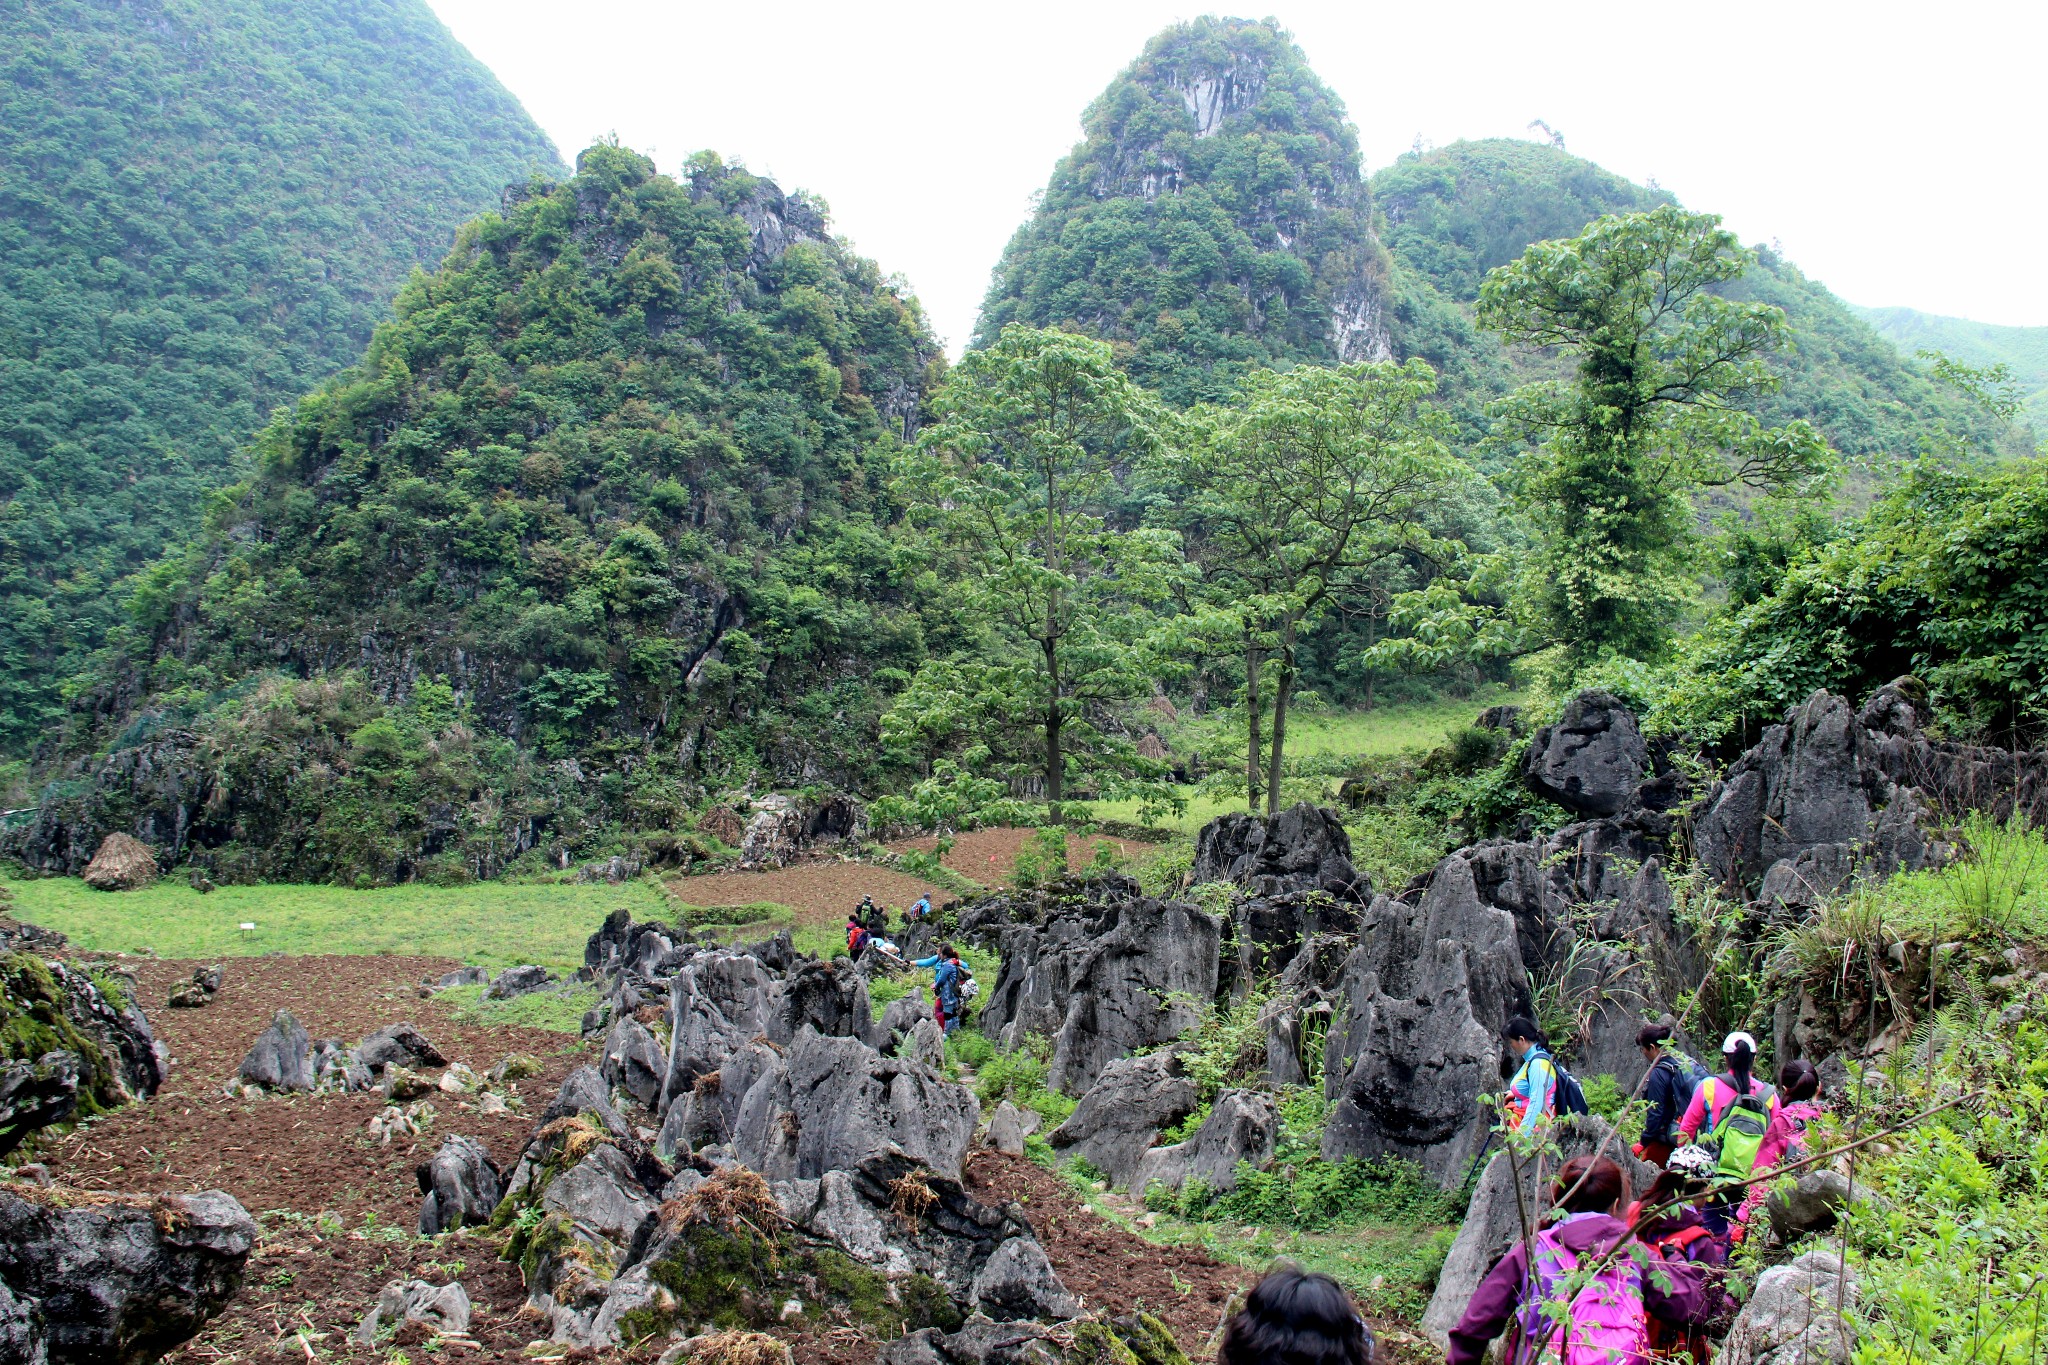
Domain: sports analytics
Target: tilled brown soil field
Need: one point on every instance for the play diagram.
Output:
(339, 1210)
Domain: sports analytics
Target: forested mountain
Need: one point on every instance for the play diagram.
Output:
(1453, 213)
(2023, 349)
(204, 208)
(1213, 219)
(594, 522)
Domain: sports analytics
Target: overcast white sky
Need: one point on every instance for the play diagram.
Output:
(1896, 152)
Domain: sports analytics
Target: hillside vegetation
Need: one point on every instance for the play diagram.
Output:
(1213, 219)
(204, 208)
(2023, 349)
(1454, 213)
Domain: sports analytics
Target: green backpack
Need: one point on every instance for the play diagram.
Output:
(1740, 1134)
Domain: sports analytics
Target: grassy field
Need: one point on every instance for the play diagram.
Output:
(1311, 735)
(493, 924)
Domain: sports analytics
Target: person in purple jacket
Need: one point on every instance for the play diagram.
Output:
(1610, 1316)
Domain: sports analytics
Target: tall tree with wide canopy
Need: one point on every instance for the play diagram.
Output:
(1654, 412)
(1017, 480)
(1296, 496)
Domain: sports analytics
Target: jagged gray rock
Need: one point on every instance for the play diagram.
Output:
(461, 976)
(21, 1331)
(1797, 1314)
(831, 1103)
(1117, 1120)
(521, 980)
(1242, 1126)
(1018, 1281)
(1097, 966)
(403, 1044)
(1416, 1037)
(1812, 786)
(633, 1061)
(282, 1057)
(462, 1186)
(1303, 848)
(444, 1309)
(1592, 760)
(601, 1194)
(35, 1095)
(718, 1004)
(1006, 1129)
(115, 1283)
(1813, 1203)
(335, 1068)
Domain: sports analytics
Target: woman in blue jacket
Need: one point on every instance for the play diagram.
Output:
(948, 974)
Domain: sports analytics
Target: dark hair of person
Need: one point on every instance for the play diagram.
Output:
(1589, 1184)
(1739, 1059)
(1295, 1318)
(1671, 1186)
(1653, 1035)
(946, 950)
(1798, 1080)
(1524, 1028)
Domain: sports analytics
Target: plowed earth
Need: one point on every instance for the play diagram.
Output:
(339, 1211)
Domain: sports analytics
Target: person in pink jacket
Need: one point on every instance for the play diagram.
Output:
(1785, 1139)
(1711, 1102)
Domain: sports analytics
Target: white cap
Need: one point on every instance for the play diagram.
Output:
(1737, 1041)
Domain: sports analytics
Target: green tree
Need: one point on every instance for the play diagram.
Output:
(1018, 478)
(1298, 498)
(1652, 414)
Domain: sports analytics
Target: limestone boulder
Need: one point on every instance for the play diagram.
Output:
(1099, 967)
(281, 1058)
(1798, 1314)
(403, 1044)
(1117, 1121)
(461, 1184)
(1592, 760)
(442, 1309)
(634, 1062)
(1242, 1126)
(122, 1283)
(521, 980)
(1415, 1039)
(832, 1102)
(1303, 848)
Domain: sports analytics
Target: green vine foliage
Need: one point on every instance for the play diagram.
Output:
(204, 209)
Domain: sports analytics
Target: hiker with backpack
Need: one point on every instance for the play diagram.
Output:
(1609, 1313)
(952, 986)
(1668, 1090)
(857, 936)
(1785, 1139)
(1680, 1232)
(1729, 1115)
(1294, 1316)
(1533, 1094)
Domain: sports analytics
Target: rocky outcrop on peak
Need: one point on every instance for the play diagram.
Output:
(1097, 966)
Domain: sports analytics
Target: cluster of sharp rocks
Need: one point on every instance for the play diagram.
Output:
(752, 1122)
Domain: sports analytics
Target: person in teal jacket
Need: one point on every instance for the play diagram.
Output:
(1532, 1094)
(948, 973)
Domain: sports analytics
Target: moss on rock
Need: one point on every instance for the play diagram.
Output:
(33, 1023)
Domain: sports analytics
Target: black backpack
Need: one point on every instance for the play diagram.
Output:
(1568, 1098)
